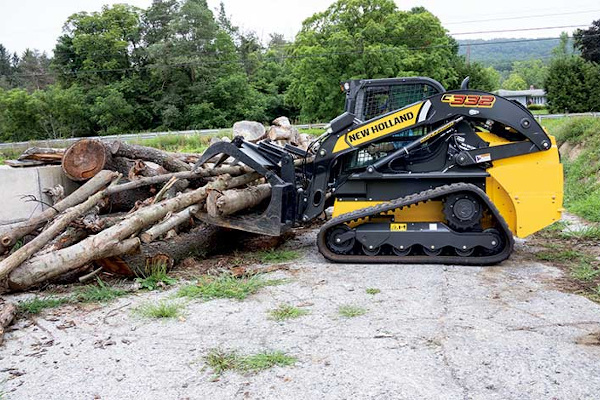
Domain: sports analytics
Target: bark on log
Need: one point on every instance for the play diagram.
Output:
(60, 224)
(160, 229)
(39, 269)
(47, 155)
(219, 204)
(11, 233)
(7, 314)
(201, 240)
(159, 157)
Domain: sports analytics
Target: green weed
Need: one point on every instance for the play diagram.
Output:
(312, 131)
(161, 309)
(274, 256)
(584, 271)
(287, 311)
(559, 254)
(350, 311)
(156, 278)
(225, 286)
(589, 232)
(37, 304)
(373, 291)
(100, 292)
(221, 361)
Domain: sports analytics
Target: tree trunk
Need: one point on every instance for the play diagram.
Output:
(201, 240)
(46, 155)
(160, 229)
(39, 269)
(86, 157)
(164, 159)
(231, 201)
(7, 314)
(11, 233)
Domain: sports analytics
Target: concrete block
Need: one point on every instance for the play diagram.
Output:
(16, 183)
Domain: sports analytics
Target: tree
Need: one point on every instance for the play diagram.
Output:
(588, 42)
(481, 78)
(364, 39)
(572, 85)
(515, 82)
(533, 72)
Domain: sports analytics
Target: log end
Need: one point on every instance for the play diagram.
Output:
(84, 159)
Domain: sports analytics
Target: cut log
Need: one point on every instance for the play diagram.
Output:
(85, 158)
(11, 233)
(105, 244)
(46, 155)
(60, 224)
(162, 158)
(201, 240)
(219, 204)
(160, 229)
(7, 314)
(250, 130)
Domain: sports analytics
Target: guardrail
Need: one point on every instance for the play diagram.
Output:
(17, 146)
(541, 117)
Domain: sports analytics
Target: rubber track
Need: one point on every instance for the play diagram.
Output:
(418, 259)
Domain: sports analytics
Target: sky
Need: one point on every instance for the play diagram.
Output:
(37, 23)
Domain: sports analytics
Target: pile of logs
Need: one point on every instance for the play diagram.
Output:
(136, 207)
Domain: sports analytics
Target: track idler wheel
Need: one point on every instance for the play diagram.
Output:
(402, 252)
(371, 250)
(339, 245)
(432, 252)
(463, 211)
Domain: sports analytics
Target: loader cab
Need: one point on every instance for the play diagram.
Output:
(370, 98)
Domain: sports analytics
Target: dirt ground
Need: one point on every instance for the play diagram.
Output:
(433, 332)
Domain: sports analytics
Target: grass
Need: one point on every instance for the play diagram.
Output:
(162, 309)
(559, 254)
(225, 286)
(589, 232)
(156, 278)
(181, 143)
(221, 361)
(287, 311)
(582, 180)
(275, 256)
(99, 293)
(37, 304)
(373, 291)
(316, 132)
(584, 271)
(350, 311)
(95, 293)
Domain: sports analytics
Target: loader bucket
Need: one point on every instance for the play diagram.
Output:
(278, 170)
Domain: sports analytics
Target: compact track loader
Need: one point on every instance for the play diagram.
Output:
(415, 174)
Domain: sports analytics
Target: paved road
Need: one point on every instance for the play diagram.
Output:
(433, 332)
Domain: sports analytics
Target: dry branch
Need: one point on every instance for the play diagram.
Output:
(47, 155)
(7, 314)
(160, 229)
(10, 234)
(38, 269)
(60, 224)
(135, 152)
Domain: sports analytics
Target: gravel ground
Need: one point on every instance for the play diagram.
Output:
(433, 332)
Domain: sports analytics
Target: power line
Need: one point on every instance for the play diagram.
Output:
(520, 30)
(520, 17)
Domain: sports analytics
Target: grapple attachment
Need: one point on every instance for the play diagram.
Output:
(277, 166)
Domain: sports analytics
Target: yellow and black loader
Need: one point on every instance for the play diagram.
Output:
(415, 174)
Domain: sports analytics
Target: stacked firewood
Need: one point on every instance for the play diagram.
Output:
(136, 206)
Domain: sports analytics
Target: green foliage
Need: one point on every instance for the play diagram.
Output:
(273, 256)
(221, 361)
(582, 183)
(36, 304)
(159, 310)
(287, 311)
(373, 291)
(584, 271)
(481, 78)
(587, 41)
(364, 39)
(533, 72)
(100, 292)
(156, 277)
(351, 311)
(536, 107)
(515, 82)
(224, 286)
(572, 85)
